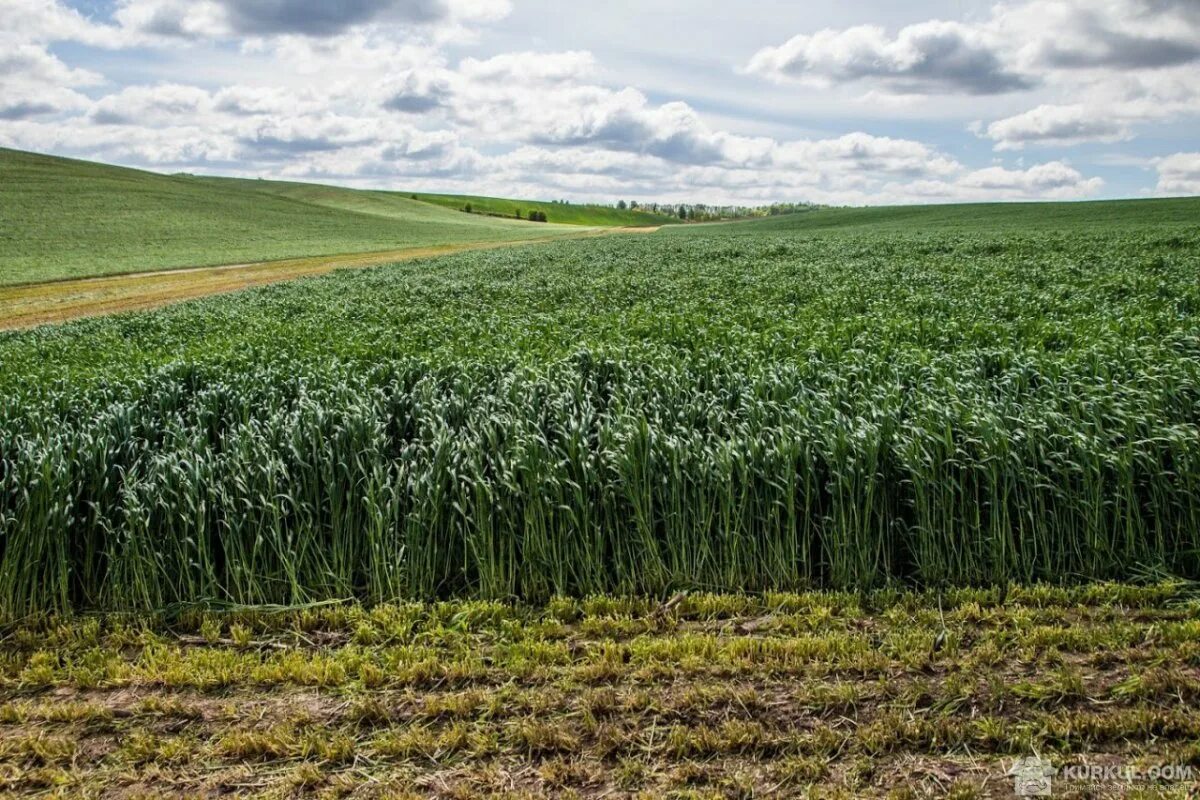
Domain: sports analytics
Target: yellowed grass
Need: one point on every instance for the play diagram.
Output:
(704, 697)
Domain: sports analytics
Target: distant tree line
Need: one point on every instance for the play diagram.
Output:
(687, 212)
(700, 212)
(533, 216)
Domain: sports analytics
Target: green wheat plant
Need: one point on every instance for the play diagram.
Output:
(705, 409)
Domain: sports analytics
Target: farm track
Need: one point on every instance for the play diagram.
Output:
(36, 304)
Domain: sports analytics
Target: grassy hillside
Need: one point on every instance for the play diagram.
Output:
(434, 205)
(555, 212)
(395, 205)
(62, 218)
(979, 217)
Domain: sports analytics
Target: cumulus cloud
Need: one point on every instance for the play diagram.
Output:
(1015, 48)
(1059, 125)
(1051, 181)
(624, 120)
(255, 100)
(1098, 34)
(571, 65)
(1111, 65)
(1108, 108)
(1179, 174)
(927, 58)
(34, 64)
(554, 108)
(34, 82)
(588, 172)
(142, 105)
(41, 21)
(856, 168)
(1044, 180)
(861, 152)
(321, 18)
(180, 145)
(282, 137)
(314, 18)
(172, 18)
(414, 92)
(365, 94)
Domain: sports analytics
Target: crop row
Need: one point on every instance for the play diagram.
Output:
(649, 454)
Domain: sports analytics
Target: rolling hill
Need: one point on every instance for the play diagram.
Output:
(564, 213)
(62, 218)
(1096, 215)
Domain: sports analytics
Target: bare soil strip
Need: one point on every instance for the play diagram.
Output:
(705, 697)
(31, 305)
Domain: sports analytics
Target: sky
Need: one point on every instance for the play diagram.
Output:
(749, 102)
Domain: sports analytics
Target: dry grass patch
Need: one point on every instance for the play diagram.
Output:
(816, 695)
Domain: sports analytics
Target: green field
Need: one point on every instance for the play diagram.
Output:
(698, 409)
(61, 218)
(993, 218)
(848, 503)
(565, 213)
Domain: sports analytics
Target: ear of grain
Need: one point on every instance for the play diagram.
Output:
(708, 412)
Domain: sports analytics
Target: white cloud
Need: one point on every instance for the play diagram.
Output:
(175, 146)
(1017, 47)
(414, 91)
(624, 120)
(1051, 181)
(34, 64)
(927, 58)
(34, 82)
(1110, 108)
(172, 18)
(1102, 68)
(1098, 34)
(229, 19)
(1054, 179)
(355, 94)
(42, 21)
(145, 105)
(254, 100)
(1060, 125)
(529, 67)
(1179, 174)
(861, 152)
